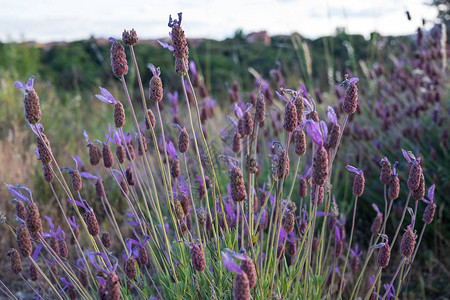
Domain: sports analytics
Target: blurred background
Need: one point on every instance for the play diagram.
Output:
(399, 50)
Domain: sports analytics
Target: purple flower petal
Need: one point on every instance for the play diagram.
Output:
(353, 80)
(378, 246)
(331, 114)
(238, 111)
(408, 155)
(375, 207)
(88, 175)
(313, 131)
(171, 150)
(50, 222)
(431, 193)
(80, 204)
(229, 263)
(165, 45)
(282, 97)
(324, 128)
(106, 96)
(192, 67)
(354, 170)
(36, 252)
(337, 233)
(17, 194)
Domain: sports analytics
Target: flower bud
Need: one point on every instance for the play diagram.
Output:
(77, 183)
(119, 115)
(63, 251)
(385, 175)
(320, 194)
(384, 255)
(288, 221)
(241, 289)
(130, 153)
(94, 154)
(33, 272)
(197, 257)
(47, 169)
(248, 267)
(291, 248)
(156, 89)
(130, 177)
(358, 185)
(44, 149)
(53, 242)
(236, 146)
(408, 242)
(120, 153)
(333, 136)
(419, 193)
(282, 163)
(299, 142)
(129, 38)
(181, 65)
(351, 99)
(74, 237)
(414, 176)
(130, 268)
(108, 158)
(429, 212)
(91, 223)
(302, 188)
(118, 59)
(394, 188)
(290, 121)
(178, 210)
(151, 116)
(113, 287)
(338, 249)
(99, 188)
(260, 108)
(20, 209)
(106, 239)
(320, 166)
(23, 241)
(298, 102)
(237, 184)
(32, 106)
(376, 224)
(33, 219)
(183, 141)
(180, 47)
(315, 245)
(141, 149)
(175, 168)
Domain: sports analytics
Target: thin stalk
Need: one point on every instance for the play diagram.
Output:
(400, 265)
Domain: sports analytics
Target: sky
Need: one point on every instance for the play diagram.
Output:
(61, 20)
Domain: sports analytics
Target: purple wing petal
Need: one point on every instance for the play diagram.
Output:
(13, 190)
(406, 155)
(375, 207)
(282, 97)
(331, 114)
(192, 67)
(20, 86)
(431, 193)
(230, 264)
(36, 252)
(238, 111)
(313, 131)
(165, 45)
(354, 170)
(324, 128)
(353, 80)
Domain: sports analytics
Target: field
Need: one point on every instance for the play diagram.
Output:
(235, 169)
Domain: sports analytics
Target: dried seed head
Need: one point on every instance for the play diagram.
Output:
(175, 168)
(33, 219)
(33, 272)
(302, 188)
(315, 245)
(288, 222)
(91, 223)
(130, 268)
(408, 242)
(156, 89)
(63, 251)
(23, 241)
(120, 153)
(384, 255)
(44, 149)
(183, 141)
(197, 257)
(351, 99)
(358, 185)
(248, 267)
(113, 287)
(130, 177)
(376, 224)
(16, 263)
(428, 214)
(119, 115)
(415, 174)
(241, 289)
(118, 59)
(32, 106)
(419, 193)
(94, 154)
(180, 47)
(237, 184)
(129, 38)
(290, 121)
(260, 108)
(300, 142)
(151, 116)
(333, 136)
(320, 194)
(236, 146)
(77, 183)
(106, 239)
(178, 210)
(47, 169)
(385, 175)
(338, 249)
(20, 209)
(108, 158)
(320, 166)
(394, 188)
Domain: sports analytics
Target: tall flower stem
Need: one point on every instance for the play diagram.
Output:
(400, 266)
(349, 246)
